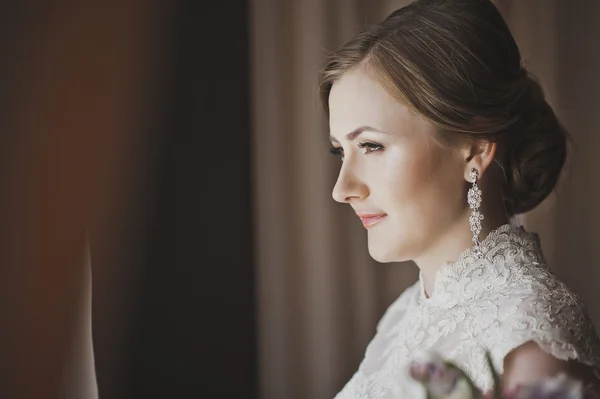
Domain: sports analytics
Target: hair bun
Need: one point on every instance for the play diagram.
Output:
(537, 154)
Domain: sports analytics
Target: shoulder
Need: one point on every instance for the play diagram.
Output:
(537, 300)
(538, 308)
(396, 311)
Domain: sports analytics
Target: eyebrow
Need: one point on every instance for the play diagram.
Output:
(356, 132)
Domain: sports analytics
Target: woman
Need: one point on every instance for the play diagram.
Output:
(444, 138)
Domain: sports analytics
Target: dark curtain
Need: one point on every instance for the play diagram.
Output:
(193, 329)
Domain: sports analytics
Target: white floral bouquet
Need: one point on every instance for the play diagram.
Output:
(444, 380)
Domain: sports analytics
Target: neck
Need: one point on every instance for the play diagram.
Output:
(450, 245)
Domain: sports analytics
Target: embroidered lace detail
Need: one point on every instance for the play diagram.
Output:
(499, 302)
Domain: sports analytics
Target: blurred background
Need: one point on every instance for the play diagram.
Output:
(176, 153)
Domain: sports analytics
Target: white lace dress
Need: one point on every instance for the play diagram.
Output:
(496, 303)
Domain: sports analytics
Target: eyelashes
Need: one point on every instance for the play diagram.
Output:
(370, 147)
(367, 146)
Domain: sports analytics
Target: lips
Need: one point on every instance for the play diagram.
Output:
(370, 219)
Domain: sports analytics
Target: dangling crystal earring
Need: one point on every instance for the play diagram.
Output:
(474, 200)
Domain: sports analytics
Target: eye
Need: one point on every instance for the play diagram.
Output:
(338, 152)
(370, 147)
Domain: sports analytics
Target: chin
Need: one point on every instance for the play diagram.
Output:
(385, 249)
(385, 254)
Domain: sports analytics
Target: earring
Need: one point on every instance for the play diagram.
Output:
(474, 200)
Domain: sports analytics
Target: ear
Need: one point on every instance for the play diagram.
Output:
(478, 154)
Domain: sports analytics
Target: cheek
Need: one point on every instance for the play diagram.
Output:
(420, 180)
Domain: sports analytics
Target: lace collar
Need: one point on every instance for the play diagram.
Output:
(506, 243)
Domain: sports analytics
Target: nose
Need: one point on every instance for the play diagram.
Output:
(348, 186)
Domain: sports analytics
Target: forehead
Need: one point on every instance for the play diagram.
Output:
(357, 99)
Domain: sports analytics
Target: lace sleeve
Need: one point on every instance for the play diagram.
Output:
(554, 318)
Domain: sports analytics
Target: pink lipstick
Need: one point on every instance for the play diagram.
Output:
(370, 219)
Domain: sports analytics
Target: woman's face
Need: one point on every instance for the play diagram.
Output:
(406, 188)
